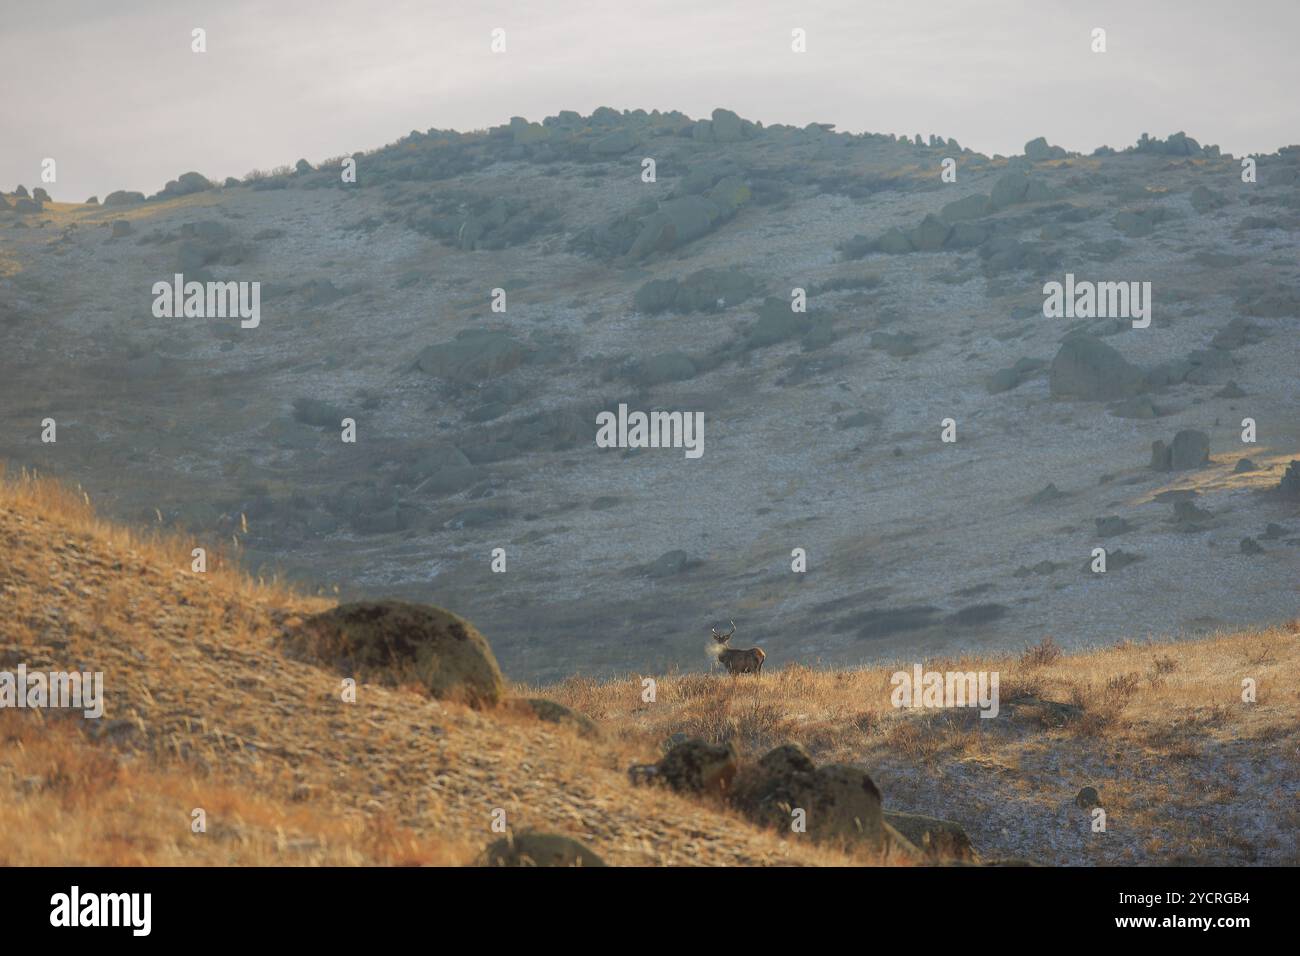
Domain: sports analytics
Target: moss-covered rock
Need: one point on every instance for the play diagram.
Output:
(840, 802)
(697, 766)
(397, 643)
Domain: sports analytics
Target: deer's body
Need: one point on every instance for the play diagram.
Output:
(737, 661)
(742, 662)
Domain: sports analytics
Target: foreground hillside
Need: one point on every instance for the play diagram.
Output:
(203, 710)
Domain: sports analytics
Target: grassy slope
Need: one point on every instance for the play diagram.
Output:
(203, 711)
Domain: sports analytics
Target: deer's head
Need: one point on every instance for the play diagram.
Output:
(723, 638)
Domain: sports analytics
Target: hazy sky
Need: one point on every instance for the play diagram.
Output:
(111, 90)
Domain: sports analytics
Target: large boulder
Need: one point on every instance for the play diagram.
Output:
(1088, 369)
(473, 357)
(971, 207)
(931, 234)
(895, 242)
(1189, 449)
(657, 295)
(706, 290)
(727, 127)
(676, 222)
(397, 643)
(186, 184)
(937, 839)
(777, 322)
(534, 848)
(1008, 190)
(697, 766)
(1289, 486)
(123, 197)
(840, 801)
(1038, 151)
(709, 290)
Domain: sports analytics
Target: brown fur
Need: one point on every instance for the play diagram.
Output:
(743, 662)
(747, 661)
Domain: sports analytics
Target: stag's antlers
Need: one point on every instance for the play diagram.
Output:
(723, 638)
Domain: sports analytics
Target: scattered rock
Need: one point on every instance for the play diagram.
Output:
(1189, 517)
(960, 210)
(122, 197)
(1236, 334)
(669, 564)
(1044, 567)
(1088, 369)
(1289, 486)
(1115, 560)
(186, 184)
(697, 766)
(1190, 449)
(1112, 525)
(1008, 190)
(1087, 798)
(1038, 151)
(473, 357)
(1047, 495)
(841, 801)
(313, 411)
(937, 839)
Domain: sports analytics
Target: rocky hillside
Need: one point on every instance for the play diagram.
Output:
(228, 696)
(473, 300)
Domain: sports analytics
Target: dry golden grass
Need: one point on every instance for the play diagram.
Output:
(204, 711)
(1186, 769)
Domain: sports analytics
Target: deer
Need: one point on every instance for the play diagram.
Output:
(748, 661)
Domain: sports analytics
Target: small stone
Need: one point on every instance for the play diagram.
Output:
(1088, 798)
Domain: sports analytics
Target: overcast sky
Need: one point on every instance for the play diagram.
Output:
(111, 90)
